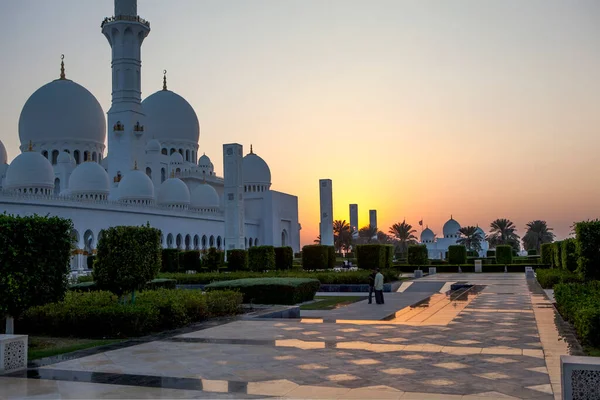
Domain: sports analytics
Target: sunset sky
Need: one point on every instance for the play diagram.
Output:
(419, 109)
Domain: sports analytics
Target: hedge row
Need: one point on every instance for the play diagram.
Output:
(580, 304)
(553, 276)
(418, 255)
(504, 254)
(373, 256)
(88, 285)
(325, 277)
(100, 315)
(316, 256)
(271, 290)
(457, 254)
(174, 260)
(547, 254)
(587, 235)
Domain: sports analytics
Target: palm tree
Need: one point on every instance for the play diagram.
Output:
(403, 233)
(503, 231)
(537, 234)
(368, 234)
(470, 237)
(342, 236)
(317, 240)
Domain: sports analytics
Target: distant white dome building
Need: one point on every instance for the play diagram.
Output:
(257, 174)
(30, 173)
(205, 166)
(438, 247)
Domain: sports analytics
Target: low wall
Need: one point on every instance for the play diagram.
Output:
(580, 377)
(387, 287)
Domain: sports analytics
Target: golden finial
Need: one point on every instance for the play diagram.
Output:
(30, 147)
(251, 152)
(164, 79)
(62, 67)
(135, 165)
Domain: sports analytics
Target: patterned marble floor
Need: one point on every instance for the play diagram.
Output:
(483, 346)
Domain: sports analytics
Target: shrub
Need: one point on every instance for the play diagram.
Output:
(490, 253)
(587, 237)
(88, 278)
(223, 302)
(580, 304)
(169, 260)
(90, 262)
(128, 257)
(457, 254)
(350, 254)
(331, 256)
(212, 260)
(568, 253)
(237, 259)
(389, 258)
(35, 253)
(547, 254)
(557, 254)
(190, 260)
(417, 254)
(271, 290)
(284, 257)
(371, 256)
(532, 252)
(553, 276)
(504, 254)
(261, 258)
(315, 256)
(89, 286)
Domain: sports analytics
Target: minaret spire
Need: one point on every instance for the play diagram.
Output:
(164, 79)
(62, 67)
(251, 152)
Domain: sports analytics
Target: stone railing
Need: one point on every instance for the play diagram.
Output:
(580, 377)
(129, 18)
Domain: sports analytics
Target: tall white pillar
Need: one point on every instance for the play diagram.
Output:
(125, 32)
(373, 218)
(354, 219)
(233, 195)
(326, 198)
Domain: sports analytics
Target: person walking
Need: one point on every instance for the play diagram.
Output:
(372, 286)
(378, 286)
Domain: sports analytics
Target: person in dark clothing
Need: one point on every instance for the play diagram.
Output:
(371, 285)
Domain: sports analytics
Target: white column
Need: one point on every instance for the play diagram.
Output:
(233, 193)
(373, 218)
(354, 219)
(326, 201)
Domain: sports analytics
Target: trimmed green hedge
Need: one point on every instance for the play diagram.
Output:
(580, 304)
(557, 254)
(490, 253)
(553, 276)
(90, 285)
(569, 254)
(100, 315)
(237, 260)
(170, 260)
(547, 253)
(189, 260)
(504, 254)
(418, 255)
(532, 252)
(271, 290)
(331, 256)
(261, 258)
(457, 254)
(284, 257)
(315, 256)
(587, 236)
(372, 256)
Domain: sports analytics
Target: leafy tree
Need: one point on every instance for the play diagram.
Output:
(317, 240)
(503, 232)
(537, 234)
(34, 262)
(368, 234)
(342, 235)
(471, 238)
(404, 235)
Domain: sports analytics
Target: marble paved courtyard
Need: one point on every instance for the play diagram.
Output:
(496, 341)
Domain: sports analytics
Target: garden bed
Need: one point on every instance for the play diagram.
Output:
(287, 291)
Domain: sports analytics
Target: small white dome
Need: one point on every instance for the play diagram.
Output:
(3, 155)
(176, 158)
(30, 170)
(255, 170)
(89, 178)
(153, 146)
(64, 158)
(136, 186)
(205, 165)
(427, 235)
(59, 111)
(205, 196)
(171, 118)
(451, 228)
(173, 192)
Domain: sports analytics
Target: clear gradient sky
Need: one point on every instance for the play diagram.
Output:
(419, 109)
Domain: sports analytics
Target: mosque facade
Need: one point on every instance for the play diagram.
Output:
(438, 246)
(152, 172)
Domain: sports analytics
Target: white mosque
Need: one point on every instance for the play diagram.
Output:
(438, 246)
(151, 172)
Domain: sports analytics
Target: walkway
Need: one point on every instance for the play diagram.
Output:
(483, 347)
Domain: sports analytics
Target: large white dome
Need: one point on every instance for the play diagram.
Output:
(3, 155)
(30, 170)
(255, 170)
(62, 110)
(89, 178)
(171, 118)
(173, 192)
(136, 186)
(427, 235)
(451, 228)
(205, 196)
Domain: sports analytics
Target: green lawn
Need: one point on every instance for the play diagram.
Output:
(331, 302)
(40, 347)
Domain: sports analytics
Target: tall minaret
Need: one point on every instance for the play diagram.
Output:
(126, 140)
(326, 203)
(233, 195)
